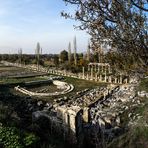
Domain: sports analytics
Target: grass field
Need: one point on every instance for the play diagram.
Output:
(12, 75)
(10, 69)
(20, 80)
(78, 84)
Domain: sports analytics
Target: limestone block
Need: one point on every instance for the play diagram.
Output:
(85, 114)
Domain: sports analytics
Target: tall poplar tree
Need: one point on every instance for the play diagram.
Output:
(20, 55)
(121, 22)
(38, 48)
(69, 53)
(75, 50)
(88, 52)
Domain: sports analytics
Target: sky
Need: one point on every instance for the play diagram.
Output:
(23, 23)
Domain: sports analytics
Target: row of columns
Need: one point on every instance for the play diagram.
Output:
(102, 78)
(87, 76)
(92, 76)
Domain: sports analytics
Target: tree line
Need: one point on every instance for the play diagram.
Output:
(122, 23)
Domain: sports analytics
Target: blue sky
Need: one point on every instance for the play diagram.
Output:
(23, 23)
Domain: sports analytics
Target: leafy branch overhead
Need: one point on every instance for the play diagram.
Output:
(123, 23)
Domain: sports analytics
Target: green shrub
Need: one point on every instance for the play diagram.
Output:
(10, 138)
(30, 139)
(144, 85)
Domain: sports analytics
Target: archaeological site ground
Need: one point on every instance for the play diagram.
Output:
(58, 108)
(74, 74)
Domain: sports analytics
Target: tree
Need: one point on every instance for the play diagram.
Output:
(38, 54)
(20, 55)
(56, 60)
(75, 50)
(64, 56)
(69, 52)
(122, 23)
(88, 52)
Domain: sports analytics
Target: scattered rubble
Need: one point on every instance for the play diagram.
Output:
(142, 94)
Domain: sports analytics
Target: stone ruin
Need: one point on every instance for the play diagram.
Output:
(103, 75)
(99, 72)
(99, 108)
(65, 87)
(102, 72)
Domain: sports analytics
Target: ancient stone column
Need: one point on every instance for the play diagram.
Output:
(120, 79)
(109, 69)
(91, 73)
(72, 122)
(96, 77)
(126, 81)
(83, 70)
(64, 72)
(104, 94)
(79, 76)
(115, 80)
(87, 77)
(95, 67)
(102, 68)
(98, 69)
(101, 78)
(85, 114)
(130, 80)
(110, 79)
(88, 67)
(105, 78)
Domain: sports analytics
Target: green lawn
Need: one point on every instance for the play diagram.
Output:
(10, 69)
(80, 84)
(20, 80)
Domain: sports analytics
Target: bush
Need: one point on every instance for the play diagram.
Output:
(30, 139)
(10, 138)
(144, 84)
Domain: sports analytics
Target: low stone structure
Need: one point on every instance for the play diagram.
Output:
(62, 85)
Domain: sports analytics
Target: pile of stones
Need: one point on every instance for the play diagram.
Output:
(106, 113)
